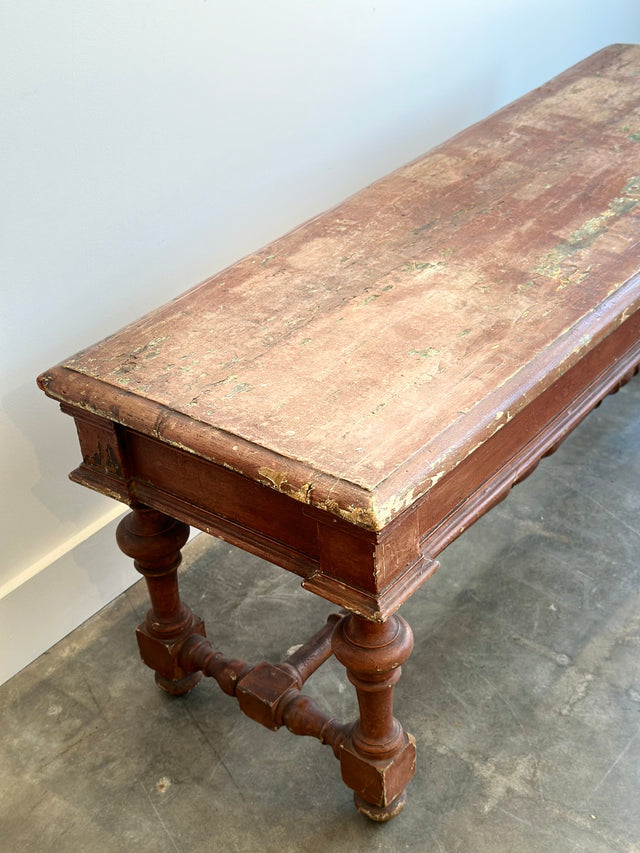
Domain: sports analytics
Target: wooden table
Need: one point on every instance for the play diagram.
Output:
(348, 400)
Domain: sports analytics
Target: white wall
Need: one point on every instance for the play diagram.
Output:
(149, 143)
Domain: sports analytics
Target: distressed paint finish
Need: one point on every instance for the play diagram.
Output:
(348, 401)
(354, 362)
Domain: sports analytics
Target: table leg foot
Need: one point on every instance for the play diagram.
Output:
(378, 759)
(154, 541)
(180, 687)
(381, 814)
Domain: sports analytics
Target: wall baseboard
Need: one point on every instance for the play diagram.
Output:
(62, 595)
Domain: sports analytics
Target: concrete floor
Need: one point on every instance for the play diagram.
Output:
(523, 692)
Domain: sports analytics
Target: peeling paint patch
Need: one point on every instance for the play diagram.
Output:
(421, 266)
(426, 227)
(277, 478)
(436, 478)
(357, 515)
(373, 296)
(554, 263)
(303, 494)
(242, 388)
(429, 352)
(397, 504)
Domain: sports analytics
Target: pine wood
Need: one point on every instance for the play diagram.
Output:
(351, 398)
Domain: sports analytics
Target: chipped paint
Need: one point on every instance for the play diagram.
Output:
(435, 478)
(276, 478)
(108, 492)
(422, 266)
(429, 352)
(241, 388)
(105, 460)
(492, 279)
(369, 299)
(362, 516)
(554, 263)
(395, 505)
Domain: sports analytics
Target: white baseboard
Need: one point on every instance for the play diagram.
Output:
(48, 603)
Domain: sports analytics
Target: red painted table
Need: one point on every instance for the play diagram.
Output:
(351, 398)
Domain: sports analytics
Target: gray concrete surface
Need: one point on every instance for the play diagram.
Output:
(523, 692)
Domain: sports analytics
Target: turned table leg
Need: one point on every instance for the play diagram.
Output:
(378, 760)
(154, 541)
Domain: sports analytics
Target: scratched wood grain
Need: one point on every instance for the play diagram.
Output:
(357, 360)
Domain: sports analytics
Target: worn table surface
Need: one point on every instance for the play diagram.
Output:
(355, 361)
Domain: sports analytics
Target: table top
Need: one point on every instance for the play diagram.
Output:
(357, 360)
